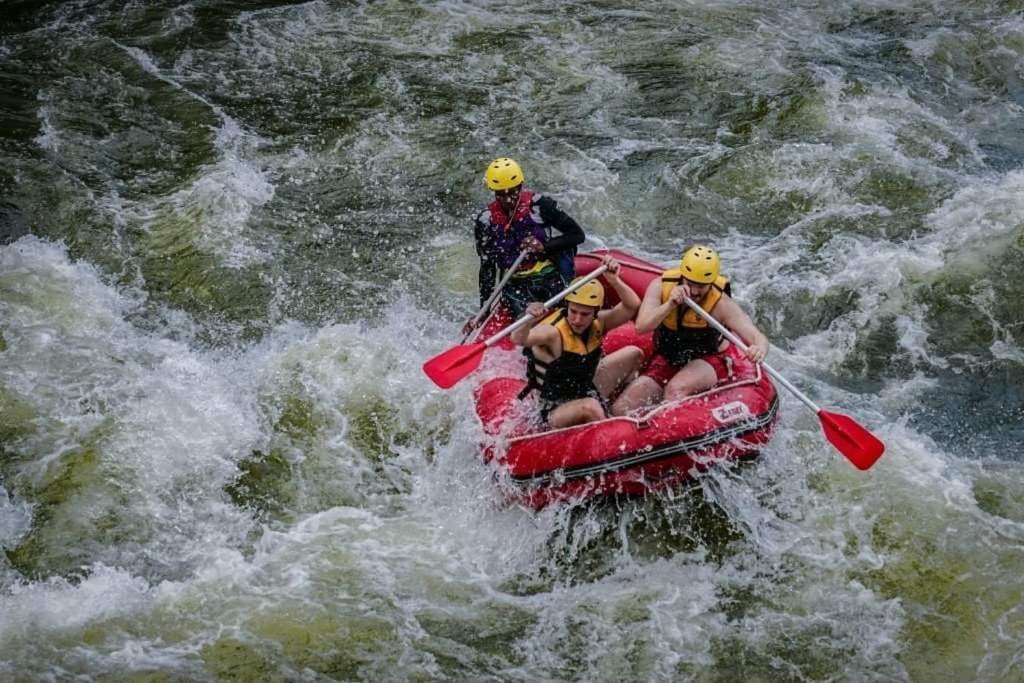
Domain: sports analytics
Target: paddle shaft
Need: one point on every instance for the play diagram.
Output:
(494, 295)
(743, 347)
(471, 337)
(526, 318)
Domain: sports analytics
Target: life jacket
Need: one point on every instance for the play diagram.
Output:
(508, 232)
(571, 375)
(694, 338)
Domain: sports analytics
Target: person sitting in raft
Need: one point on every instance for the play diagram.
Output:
(564, 352)
(518, 219)
(688, 355)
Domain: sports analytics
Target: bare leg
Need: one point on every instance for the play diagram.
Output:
(695, 377)
(576, 412)
(641, 392)
(617, 368)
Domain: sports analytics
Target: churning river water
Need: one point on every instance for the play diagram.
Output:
(231, 233)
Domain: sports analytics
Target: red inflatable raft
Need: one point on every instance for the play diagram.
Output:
(621, 455)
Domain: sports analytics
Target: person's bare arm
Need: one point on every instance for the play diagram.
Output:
(652, 311)
(729, 313)
(533, 334)
(628, 304)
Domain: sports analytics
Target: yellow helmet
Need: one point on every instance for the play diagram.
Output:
(700, 264)
(503, 174)
(590, 294)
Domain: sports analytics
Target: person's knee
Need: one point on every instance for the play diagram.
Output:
(642, 391)
(678, 391)
(593, 411)
(621, 406)
(580, 412)
(621, 368)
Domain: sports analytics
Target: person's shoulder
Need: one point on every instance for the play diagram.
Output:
(543, 200)
(547, 333)
(728, 308)
(484, 216)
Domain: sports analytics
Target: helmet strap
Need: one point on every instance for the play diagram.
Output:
(514, 211)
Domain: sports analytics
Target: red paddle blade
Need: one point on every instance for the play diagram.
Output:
(860, 446)
(446, 369)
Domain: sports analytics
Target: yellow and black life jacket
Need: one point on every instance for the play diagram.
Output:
(681, 343)
(571, 375)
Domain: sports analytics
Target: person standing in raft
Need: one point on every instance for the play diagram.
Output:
(688, 355)
(564, 352)
(518, 219)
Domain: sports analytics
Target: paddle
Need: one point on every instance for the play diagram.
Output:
(471, 335)
(860, 446)
(447, 369)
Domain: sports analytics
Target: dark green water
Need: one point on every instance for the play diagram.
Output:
(230, 234)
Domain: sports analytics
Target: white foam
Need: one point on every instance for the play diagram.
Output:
(15, 519)
(49, 137)
(57, 606)
(227, 194)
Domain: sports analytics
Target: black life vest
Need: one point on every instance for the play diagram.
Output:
(571, 375)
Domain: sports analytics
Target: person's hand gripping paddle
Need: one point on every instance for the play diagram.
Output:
(449, 368)
(860, 446)
(475, 325)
